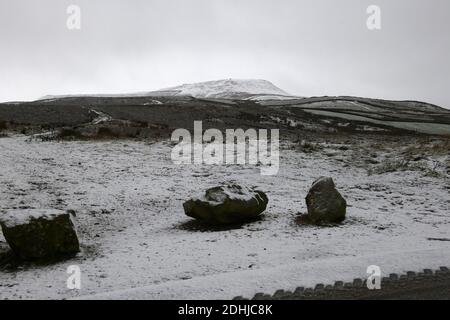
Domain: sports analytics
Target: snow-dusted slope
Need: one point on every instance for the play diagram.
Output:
(225, 89)
(229, 88)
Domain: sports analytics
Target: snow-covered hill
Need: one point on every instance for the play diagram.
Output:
(228, 88)
(225, 89)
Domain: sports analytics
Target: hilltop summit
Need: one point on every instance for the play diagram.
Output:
(227, 88)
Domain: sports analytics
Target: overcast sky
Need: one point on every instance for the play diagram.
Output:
(306, 47)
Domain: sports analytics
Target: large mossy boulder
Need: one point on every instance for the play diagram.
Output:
(227, 204)
(325, 204)
(37, 233)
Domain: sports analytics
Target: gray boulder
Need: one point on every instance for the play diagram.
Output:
(37, 233)
(227, 204)
(325, 204)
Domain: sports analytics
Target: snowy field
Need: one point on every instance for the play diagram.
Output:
(137, 242)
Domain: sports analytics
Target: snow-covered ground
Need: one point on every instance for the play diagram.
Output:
(137, 242)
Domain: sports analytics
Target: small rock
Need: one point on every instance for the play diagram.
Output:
(299, 291)
(36, 233)
(444, 269)
(325, 203)
(393, 277)
(319, 287)
(279, 294)
(259, 296)
(358, 282)
(428, 272)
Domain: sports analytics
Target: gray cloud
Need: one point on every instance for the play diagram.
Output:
(319, 47)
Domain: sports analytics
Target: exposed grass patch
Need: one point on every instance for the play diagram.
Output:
(435, 169)
(69, 134)
(309, 147)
